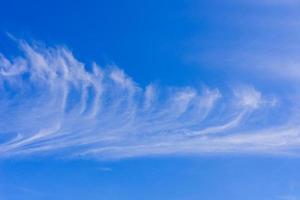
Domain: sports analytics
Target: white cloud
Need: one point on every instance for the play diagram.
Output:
(51, 104)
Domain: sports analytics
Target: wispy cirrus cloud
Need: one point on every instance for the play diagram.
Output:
(53, 104)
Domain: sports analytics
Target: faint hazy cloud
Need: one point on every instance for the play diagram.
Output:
(246, 36)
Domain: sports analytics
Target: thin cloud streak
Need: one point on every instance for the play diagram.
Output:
(53, 104)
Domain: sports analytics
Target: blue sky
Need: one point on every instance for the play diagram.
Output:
(149, 99)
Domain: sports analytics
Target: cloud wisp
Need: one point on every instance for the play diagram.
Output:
(53, 104)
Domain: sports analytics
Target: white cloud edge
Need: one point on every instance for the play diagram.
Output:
(62, 108)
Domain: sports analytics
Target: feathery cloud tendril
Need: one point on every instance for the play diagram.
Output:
(51, 103)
